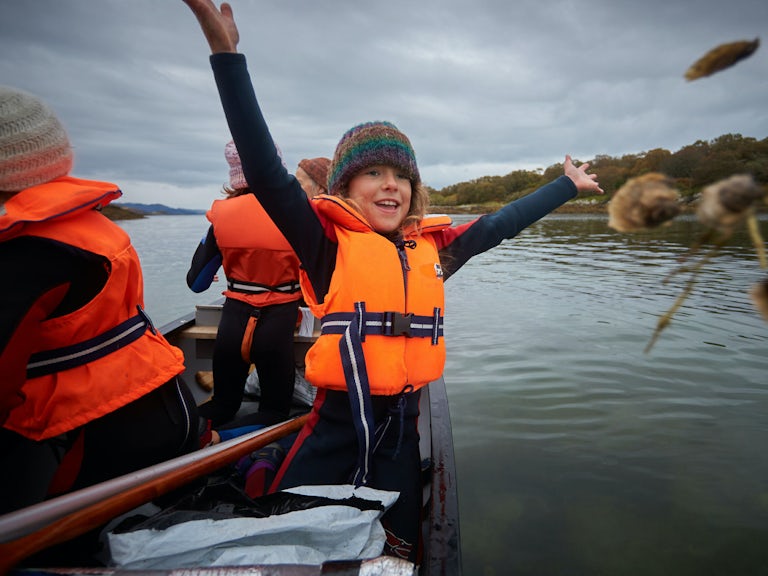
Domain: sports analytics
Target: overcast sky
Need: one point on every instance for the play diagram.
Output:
(481, 87)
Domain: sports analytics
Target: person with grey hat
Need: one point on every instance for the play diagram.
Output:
(90, 390)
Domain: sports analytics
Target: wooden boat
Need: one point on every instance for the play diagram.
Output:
(25, 532)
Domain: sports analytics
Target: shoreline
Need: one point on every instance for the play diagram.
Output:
(593, 208)
(480, 209)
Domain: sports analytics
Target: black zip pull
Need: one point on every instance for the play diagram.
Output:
(401, 244)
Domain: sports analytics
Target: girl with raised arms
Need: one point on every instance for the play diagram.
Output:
(373, 268)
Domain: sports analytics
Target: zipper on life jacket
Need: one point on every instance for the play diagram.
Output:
(401, 245)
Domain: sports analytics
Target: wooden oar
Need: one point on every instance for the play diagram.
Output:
(175, 473)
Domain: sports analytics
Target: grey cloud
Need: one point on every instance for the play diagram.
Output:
(477, 85)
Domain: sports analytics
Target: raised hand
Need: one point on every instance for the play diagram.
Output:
(584, 182)
(218, 26)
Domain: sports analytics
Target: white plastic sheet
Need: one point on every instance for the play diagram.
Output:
(325, 533)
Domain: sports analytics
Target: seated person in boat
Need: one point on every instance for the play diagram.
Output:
(90, 389)
(373, 268)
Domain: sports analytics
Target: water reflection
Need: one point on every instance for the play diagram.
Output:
(577, 452)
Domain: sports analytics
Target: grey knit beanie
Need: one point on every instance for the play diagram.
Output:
(34, 147)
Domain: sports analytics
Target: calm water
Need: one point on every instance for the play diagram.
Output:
(165, 245)
(577, 453)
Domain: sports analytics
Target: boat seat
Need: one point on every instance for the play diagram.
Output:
(207, 319)
(199, 332)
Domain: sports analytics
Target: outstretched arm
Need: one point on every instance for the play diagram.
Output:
(278, 192)
(461, 243)
(218, 25)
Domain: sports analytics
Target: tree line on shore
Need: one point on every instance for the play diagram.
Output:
(692, 167)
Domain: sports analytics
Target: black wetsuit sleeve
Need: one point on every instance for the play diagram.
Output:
(205, 263)
(488, 231)
(278, 191)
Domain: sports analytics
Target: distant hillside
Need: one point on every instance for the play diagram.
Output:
(157, 209)
(117, 212)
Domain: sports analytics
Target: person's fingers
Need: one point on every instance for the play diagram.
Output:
(229, 18)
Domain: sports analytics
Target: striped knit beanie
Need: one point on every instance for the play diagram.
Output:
(369, 144)
(34, 147)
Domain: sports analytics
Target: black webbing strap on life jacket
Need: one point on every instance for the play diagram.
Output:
(254, 288)
(358, 387)
(354, 327)
(59, 359)
(386, 324)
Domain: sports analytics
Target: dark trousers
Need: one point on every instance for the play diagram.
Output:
(156, 427)
(325, 452)
(271, 351)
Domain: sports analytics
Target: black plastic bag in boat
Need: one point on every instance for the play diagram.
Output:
(221, 498)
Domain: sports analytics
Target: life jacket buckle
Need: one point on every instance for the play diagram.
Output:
(401, 324)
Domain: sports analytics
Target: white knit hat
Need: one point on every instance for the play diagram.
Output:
(34, 147)
(236, 177)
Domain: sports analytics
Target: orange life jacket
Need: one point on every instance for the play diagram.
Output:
(75, 374)
(397, 301)
(261, 267)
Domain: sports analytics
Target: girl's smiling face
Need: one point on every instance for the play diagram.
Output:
(383, 195)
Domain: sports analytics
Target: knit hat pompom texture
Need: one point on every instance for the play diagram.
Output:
(367, 145)
(34, 147)
(236, 176)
